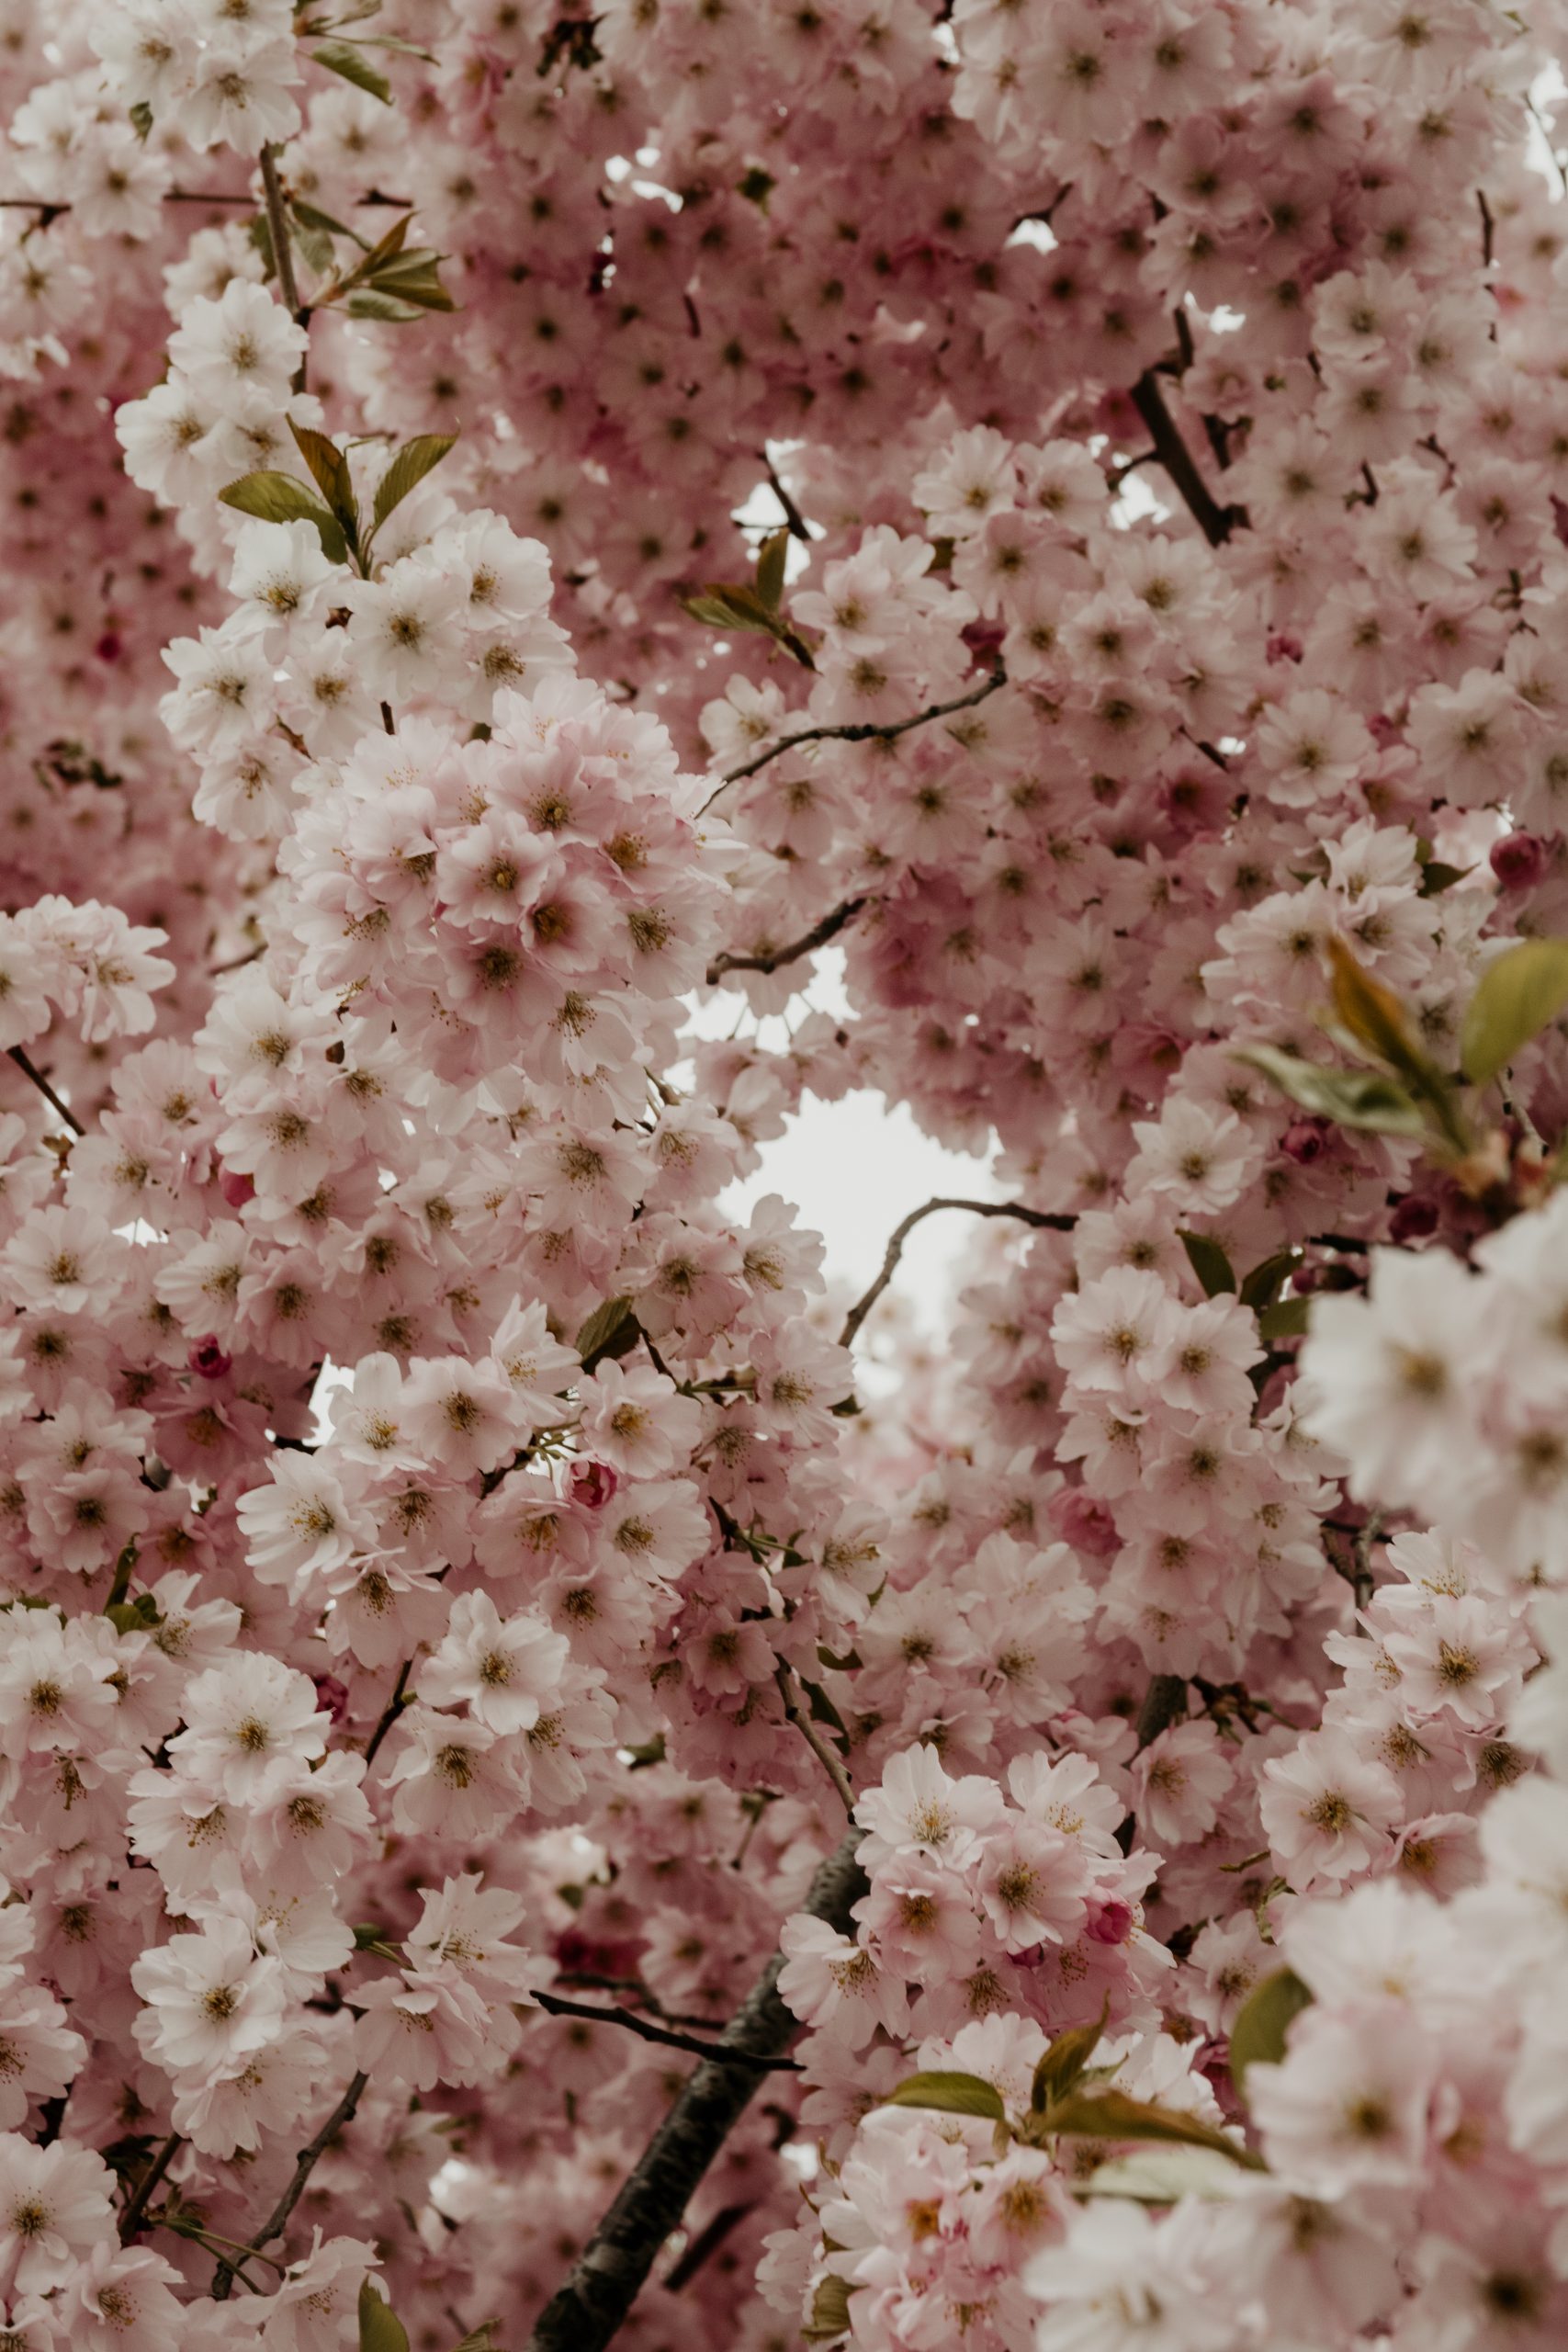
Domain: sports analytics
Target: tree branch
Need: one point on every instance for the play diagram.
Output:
(277, 226)
(130, 2220)
(818, 936)
(44, 1088)
(1215, 522)
(585, 2312)
(794, 521)
(862, 1306)
(390, 1713)
(790, 1690)
(634, 2024)
(859, 730)
(277, 2220)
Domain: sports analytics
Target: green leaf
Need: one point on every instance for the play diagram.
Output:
(830, 2311)
(1263, 2021)
(951, 2093)
(138, 1616)
(367, 304)
(330, 468)
(1265, 1278)
(1437, 878)
(345, 57)
(1354, 1098)
(1516, 996)
(1152, 2176)
(771, 558)
(141, 119)
(314, 243)
(1373, 1013)
(610, 1330)
(279, 498)
(1209, 1262)
(408, 469)
(380, 2330)
(480, 2339)
(1113, 2115)
(1286, 1320)
(314, 217)
(1064, 2061)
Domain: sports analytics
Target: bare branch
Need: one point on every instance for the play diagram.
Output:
(277, 225)
(390, 1713)
(859, 730)
(305, 2164)
(130, 2220)
(792, 1694)
(795, 520)
(585, 2312)
(818, 936)
(862, 1306)
(615, 2015)
(29, 1070)
(1215, 522)
(1165, 1703)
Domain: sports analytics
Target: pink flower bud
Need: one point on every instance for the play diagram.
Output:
(1412, 1220)
(110, 646)
(1305, 1140)
(1110, 1923)
(236, 1189)
(1084, 1523)
(333, 1695)
(1520, 860)
(208, 1360)
(592, 1483)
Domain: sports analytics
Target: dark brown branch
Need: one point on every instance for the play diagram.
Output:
(794, 521)
(585, 2312)
(1215, 522)
(130, 2220)
(818, 936)
(790, 1692)
(862, 1306)
(305, 2164)
(28, 1069)
(1165, 1703)
(707, 2241)
(861, 730)
(640, 2026)
(391, 1712)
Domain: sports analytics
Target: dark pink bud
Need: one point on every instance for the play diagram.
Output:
(1520, 860)
(331, 1696)
(236, 1189)
(208, 1359)
(592, 1483)
(110, 646)
(1110, 1923)
(1305, 1140)
(1412, 1220)
(1084, 1523)
(1283, 647)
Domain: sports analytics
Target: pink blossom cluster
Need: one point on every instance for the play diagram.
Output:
(526, 535)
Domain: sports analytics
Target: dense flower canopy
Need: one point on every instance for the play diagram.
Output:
(539, 1806)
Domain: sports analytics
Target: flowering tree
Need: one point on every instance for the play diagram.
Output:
(535, 1812)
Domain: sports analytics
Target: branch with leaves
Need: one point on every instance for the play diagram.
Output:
(274, 497)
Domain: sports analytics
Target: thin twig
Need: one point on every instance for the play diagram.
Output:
(391, 1712)
(28, 1069)
(790, 1690)
(794, 521)
(707, 2241)
(859, 730)
(277, 226)
(305, 2164)
(130, 2220)
(634, 2024)
(818, 936)
(1215, 522)
(586, 2312)
(862, 1306)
